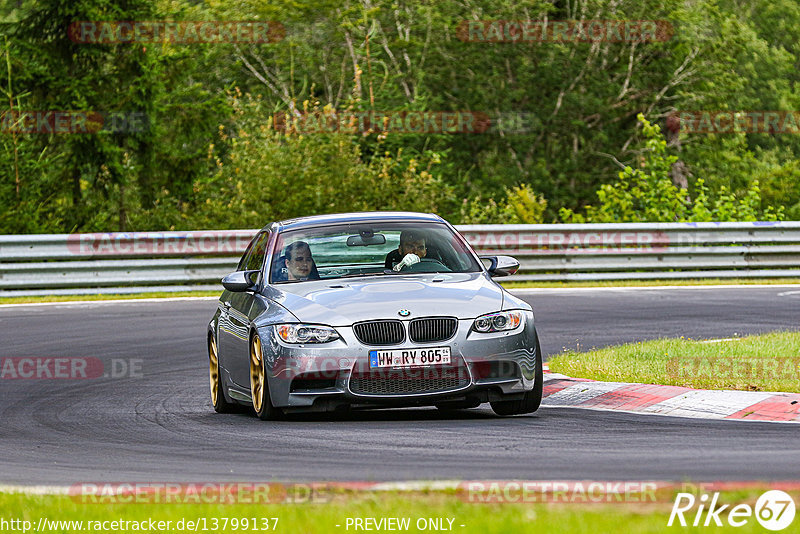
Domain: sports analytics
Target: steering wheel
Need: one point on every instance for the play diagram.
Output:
(426, 265)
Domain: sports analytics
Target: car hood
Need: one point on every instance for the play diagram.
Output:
(342, 302)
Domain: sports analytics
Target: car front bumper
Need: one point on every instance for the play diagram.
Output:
(495, 366)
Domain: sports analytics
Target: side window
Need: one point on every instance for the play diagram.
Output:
(247, 253)
(256, 258)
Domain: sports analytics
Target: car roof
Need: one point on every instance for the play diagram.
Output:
(359, 217)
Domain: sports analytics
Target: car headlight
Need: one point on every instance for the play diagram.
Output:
(497, 322)
(306, 333)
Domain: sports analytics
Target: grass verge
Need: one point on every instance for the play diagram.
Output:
(767, 362)
(467, 517)
(124, 296)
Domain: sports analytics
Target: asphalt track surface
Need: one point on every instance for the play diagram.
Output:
(160, 427)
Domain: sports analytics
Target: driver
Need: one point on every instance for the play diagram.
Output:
(299, 262)
(411, 242)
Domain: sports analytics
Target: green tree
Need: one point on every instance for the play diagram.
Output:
(270, 175)
(647, 194)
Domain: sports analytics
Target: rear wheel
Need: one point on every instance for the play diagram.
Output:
(532, 399)
(259, 388)
(215, 380)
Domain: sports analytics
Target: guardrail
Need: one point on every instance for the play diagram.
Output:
(547, 252)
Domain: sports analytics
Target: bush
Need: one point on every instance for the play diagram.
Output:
(521, 206)
(647, 194)
(271, 175)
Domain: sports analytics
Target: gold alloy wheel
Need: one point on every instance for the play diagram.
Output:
(256, 374)
(213, 370)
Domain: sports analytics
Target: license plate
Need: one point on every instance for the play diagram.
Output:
(409, 357)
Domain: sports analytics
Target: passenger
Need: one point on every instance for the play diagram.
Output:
(299, 263)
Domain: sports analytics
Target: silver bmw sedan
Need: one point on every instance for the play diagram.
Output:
(383, 309)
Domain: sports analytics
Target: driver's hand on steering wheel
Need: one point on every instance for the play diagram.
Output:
(407, 261)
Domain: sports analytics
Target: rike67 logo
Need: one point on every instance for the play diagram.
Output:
(774, 510)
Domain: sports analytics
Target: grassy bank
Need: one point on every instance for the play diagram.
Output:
(768, 362)
(453, 509)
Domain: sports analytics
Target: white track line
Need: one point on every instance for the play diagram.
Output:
(533, 290)
(35, 490)
(650, 414)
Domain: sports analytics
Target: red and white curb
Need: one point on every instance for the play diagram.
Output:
(563, 391)
(172, 492)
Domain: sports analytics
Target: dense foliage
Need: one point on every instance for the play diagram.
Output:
(647, 194)
(570, 147)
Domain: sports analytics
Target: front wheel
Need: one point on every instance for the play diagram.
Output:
(259, 387)
(532, 399)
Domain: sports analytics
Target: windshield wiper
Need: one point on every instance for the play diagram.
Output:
(353, 275)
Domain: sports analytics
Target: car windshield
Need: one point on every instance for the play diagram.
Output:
(369, 249)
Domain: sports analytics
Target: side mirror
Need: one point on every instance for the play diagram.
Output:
(500, 265)
(240, 281)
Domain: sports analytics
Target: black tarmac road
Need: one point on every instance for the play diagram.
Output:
(155, 424)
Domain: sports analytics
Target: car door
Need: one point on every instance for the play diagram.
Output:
(234, 338)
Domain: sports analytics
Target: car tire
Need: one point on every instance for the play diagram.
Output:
(532, 399)
(218, 400)
(259, 385)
